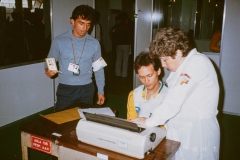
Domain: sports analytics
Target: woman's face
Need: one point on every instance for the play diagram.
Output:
(170, 63)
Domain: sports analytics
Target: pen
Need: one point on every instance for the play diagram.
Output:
(150, 115)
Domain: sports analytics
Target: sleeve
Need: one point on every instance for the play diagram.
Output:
(131, 111)
(54, 52)
(186, 84)
(99, 74)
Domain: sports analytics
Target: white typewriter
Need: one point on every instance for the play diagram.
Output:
(118, 135)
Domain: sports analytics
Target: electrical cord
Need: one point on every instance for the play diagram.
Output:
(153, 152)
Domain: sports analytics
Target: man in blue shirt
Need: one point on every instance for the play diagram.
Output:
(77, 53)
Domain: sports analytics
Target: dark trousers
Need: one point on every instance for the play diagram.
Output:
(68, 95)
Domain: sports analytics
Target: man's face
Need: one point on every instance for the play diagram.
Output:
(149, 77)
(80, 27)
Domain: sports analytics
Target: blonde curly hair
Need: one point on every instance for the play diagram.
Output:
(168, 40)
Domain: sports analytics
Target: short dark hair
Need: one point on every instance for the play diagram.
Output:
(85, 12)
(146, 59)
(168, 40)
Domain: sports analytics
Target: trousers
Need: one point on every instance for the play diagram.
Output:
(121, 65)
(68, 95)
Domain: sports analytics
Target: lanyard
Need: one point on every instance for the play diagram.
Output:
(74, 55)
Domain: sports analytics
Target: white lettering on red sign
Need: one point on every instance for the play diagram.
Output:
(41, 144)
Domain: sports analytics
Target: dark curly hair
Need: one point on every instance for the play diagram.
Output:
(85, 12)
(145, 59)
(168, 40)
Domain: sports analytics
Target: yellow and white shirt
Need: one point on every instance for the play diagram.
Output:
(139, 106)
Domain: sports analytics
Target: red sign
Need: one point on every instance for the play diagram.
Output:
(41, 144)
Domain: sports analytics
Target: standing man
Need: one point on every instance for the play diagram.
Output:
(77, 52)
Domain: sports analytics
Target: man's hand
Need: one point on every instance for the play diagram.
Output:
(101, 99)
(50, 73)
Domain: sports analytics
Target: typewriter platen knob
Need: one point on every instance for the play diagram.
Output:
(152, 137)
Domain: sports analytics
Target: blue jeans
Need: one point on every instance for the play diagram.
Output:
(68, 95)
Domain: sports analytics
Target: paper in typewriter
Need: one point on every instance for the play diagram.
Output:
(104, 111)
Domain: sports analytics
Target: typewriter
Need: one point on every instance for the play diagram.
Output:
(119, 135)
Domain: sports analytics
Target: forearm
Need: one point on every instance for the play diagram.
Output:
(100, 80)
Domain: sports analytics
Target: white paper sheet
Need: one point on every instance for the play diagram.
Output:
(104, 111)
(100, 63)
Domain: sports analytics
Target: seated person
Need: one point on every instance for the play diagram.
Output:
(145, 98)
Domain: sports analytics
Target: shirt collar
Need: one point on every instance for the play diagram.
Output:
(144, 92)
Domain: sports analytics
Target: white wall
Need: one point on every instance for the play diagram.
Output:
(230, 57)
(143, 30)
(24, 90)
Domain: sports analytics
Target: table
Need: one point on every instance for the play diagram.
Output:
(38, 133)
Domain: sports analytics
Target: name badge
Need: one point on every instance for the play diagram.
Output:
(73, 68)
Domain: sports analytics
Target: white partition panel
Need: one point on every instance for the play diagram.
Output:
(230, 57)
(143, 29)
(24, 90)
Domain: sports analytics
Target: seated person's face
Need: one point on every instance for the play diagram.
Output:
(148, 76)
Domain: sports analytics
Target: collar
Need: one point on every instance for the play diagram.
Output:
(144, 92)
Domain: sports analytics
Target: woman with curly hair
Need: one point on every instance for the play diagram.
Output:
(190, 107)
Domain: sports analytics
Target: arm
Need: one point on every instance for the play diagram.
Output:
(100, 78)
(185, 85)
(53, 53)
(214, 46)
(131, 111)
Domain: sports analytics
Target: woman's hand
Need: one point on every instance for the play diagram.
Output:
(140, 120)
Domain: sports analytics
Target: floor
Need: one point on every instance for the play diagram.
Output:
(116, 93)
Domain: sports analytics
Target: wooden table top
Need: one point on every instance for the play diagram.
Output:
(44, 128)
